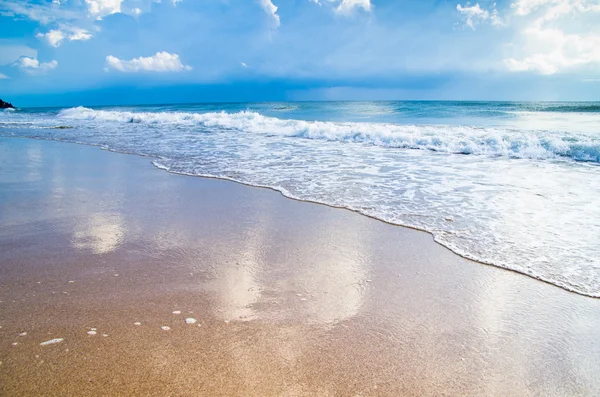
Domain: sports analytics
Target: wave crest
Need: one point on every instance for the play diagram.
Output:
(439, 138)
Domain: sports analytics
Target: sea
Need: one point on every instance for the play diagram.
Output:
(509, 184)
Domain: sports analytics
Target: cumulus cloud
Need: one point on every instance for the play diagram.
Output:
(55, 37)
(271, 10)
(102, 8)
(3, 76)
(348, 6)
(555, 38)
(160, 62)
(552, 51)
(552, 36)
(32, 65)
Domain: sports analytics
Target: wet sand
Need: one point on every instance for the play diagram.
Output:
(290, 298)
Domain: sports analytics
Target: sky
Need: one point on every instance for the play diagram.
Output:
(102, 52)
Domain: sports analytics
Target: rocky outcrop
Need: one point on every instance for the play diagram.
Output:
(6, 105)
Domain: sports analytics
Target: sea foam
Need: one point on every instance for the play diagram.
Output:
(488, 141)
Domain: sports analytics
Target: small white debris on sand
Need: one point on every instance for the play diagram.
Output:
(298, 294)
(116, 275)
(165, 328)
(51, 341)
(94, 329)
(105, 335)
(303, 299)
(177, 312)
(71, 281)
(190, 320)
(91, 332)
(15, 343)
(23, 334)
(137, 323)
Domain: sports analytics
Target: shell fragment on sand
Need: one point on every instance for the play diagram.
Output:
(190, 320)
(51, 341)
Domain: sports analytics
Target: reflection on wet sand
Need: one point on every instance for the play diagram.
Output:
(291, 298)
(101, 233)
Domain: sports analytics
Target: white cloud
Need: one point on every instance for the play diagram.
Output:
(102, 8)
(474, 15)
(553, 9)
(243, 64)
(56, 37)
(548, 10)
(32, 65)
(53, 37)
(348, 6)
(552, 51)
(160, 62)
(555, 38)
(44, 13)
(3, 76)
(271, 10)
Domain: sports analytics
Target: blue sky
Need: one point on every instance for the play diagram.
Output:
(70, 52)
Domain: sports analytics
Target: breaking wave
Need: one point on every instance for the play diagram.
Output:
(487, 141)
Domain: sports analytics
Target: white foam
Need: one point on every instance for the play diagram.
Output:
(440, 138)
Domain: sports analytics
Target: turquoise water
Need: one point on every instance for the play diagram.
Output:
(515, 185)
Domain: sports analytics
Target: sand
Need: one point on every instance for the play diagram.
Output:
(98, 250)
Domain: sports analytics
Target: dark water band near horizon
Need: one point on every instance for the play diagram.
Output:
(515, 185)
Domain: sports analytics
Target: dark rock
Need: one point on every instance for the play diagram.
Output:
(6, 105)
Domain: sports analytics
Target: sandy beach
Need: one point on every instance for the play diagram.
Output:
(150, 283)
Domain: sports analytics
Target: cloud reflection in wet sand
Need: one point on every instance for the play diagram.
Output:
(100, 232)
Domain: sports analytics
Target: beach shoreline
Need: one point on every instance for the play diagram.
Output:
(289, 297)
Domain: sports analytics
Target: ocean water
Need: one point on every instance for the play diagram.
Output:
(515, 185)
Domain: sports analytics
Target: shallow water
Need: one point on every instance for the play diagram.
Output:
(510, 184)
